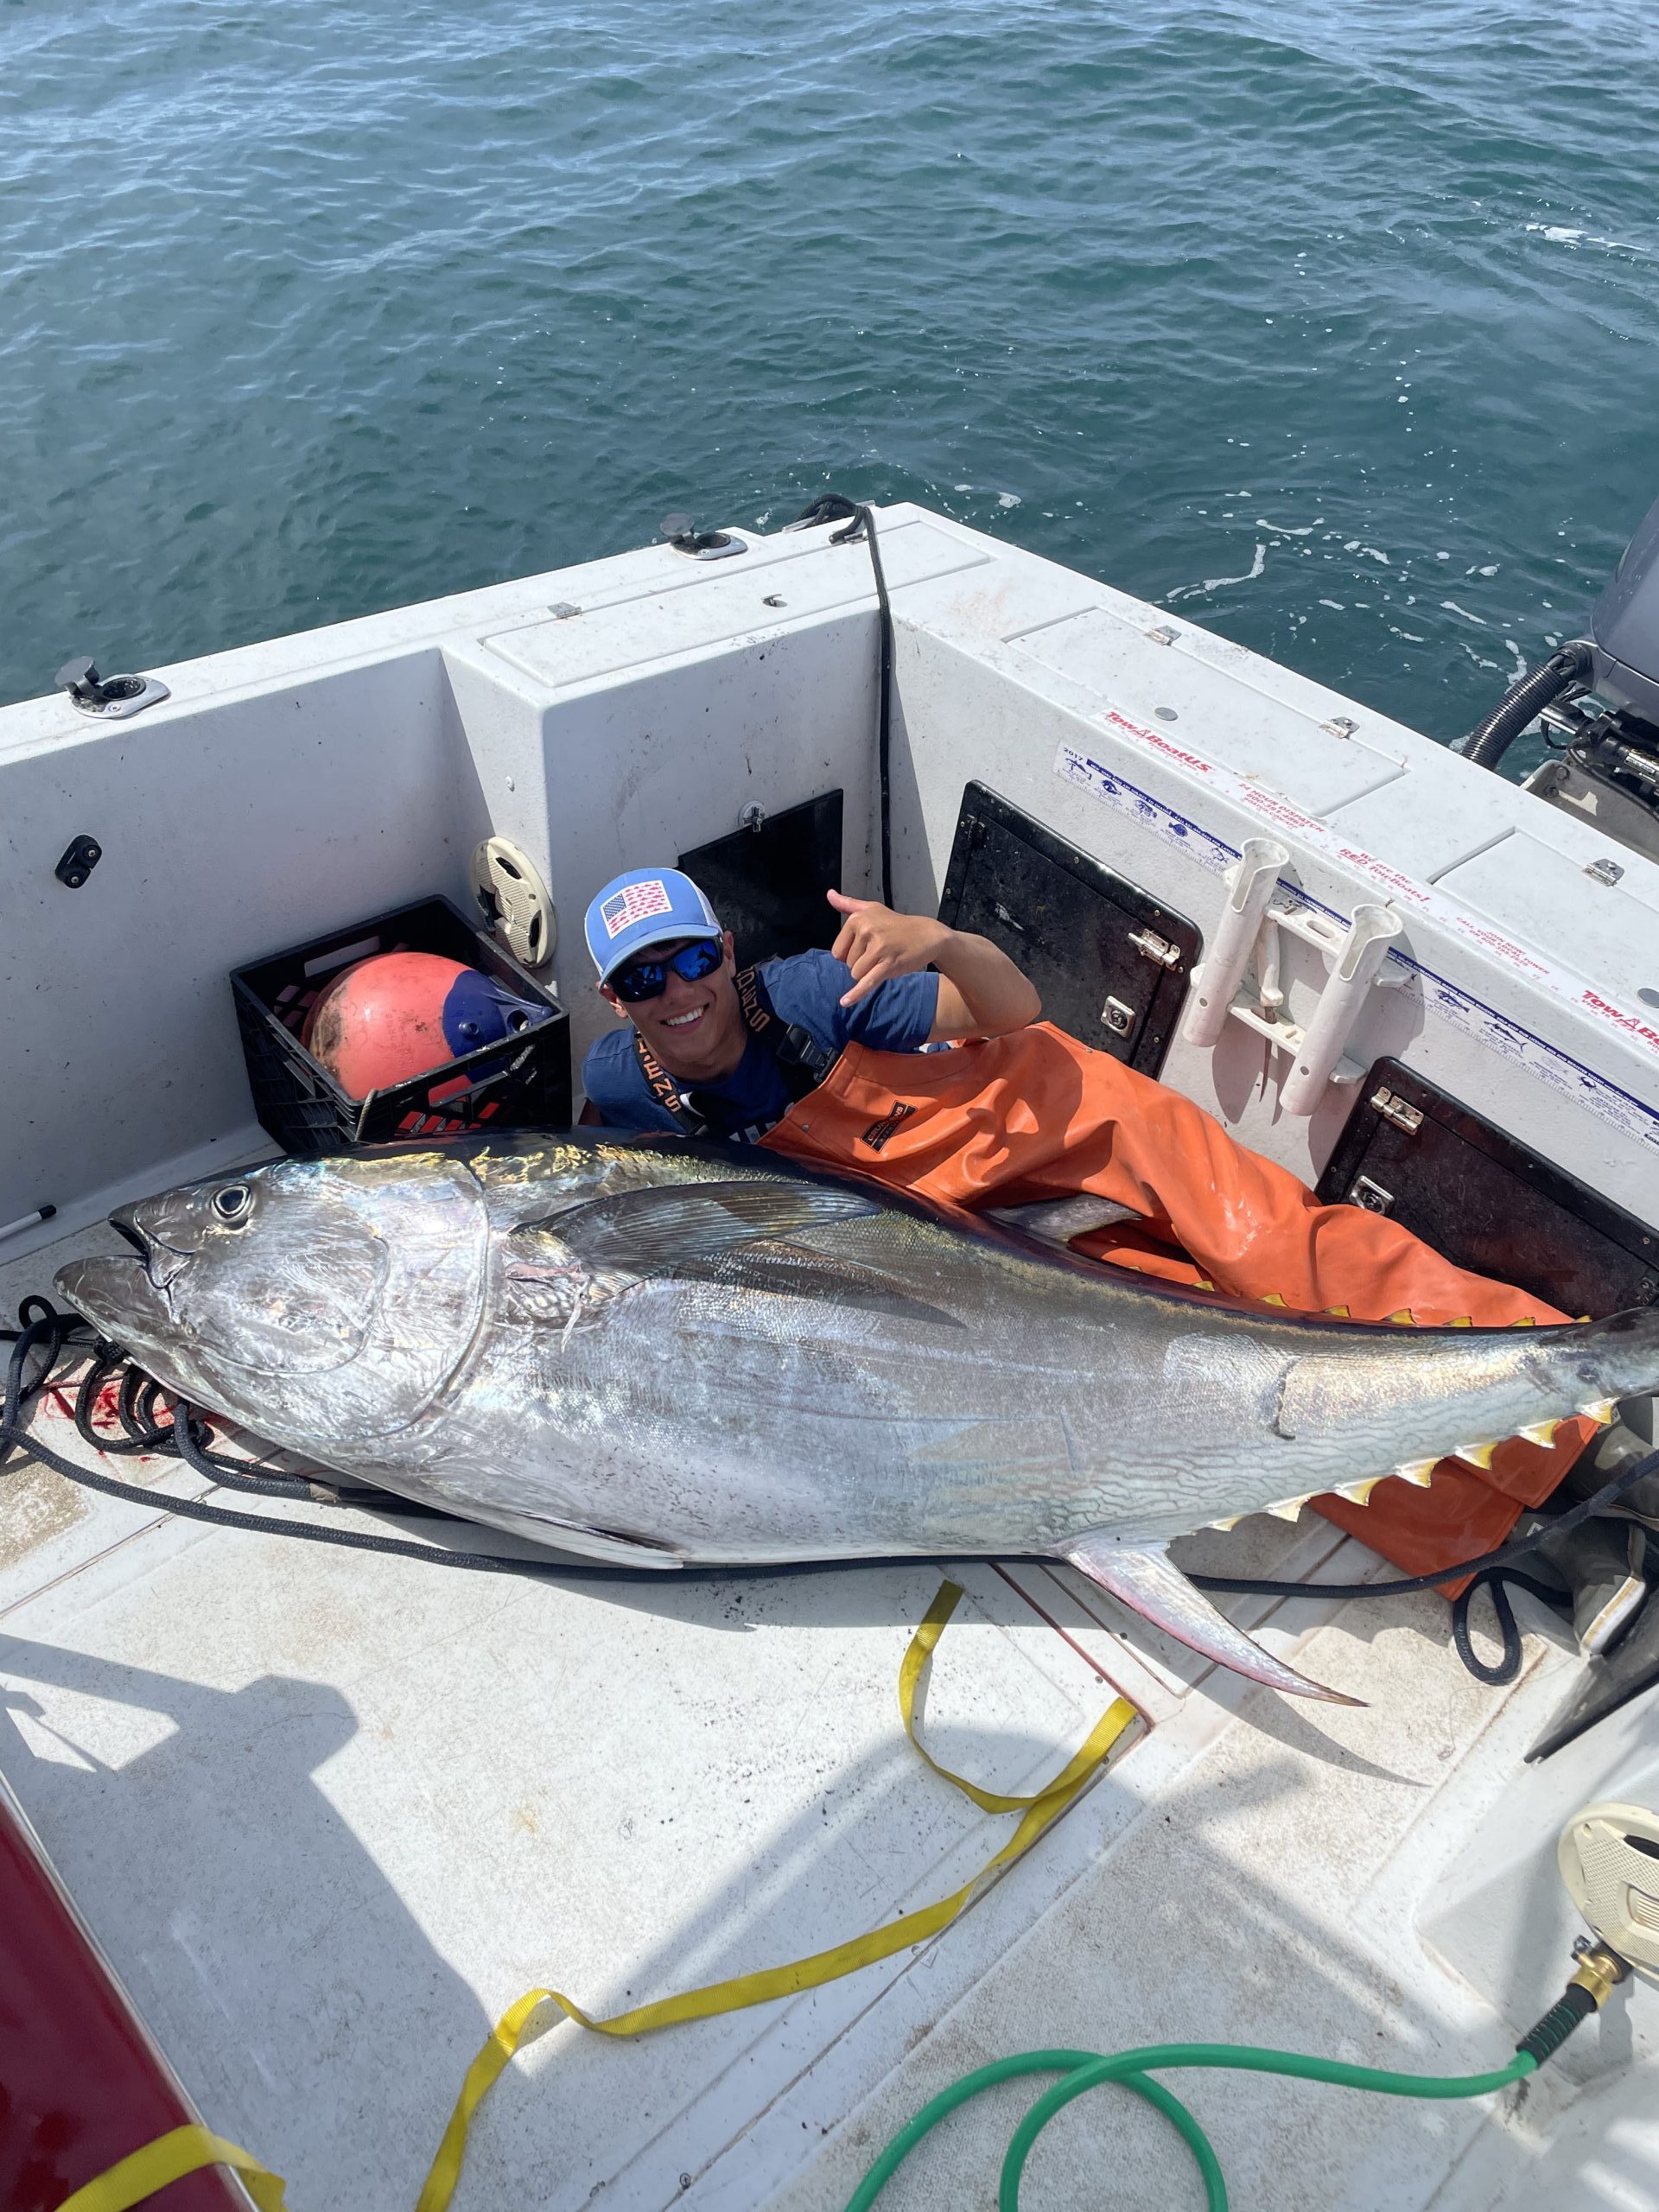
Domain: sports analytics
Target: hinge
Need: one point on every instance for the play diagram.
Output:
(1151, 946)
(1408, 1118)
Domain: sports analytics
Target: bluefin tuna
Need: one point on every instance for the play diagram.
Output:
(657, 1353)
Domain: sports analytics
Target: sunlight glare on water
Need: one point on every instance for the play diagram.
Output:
(1332, 326)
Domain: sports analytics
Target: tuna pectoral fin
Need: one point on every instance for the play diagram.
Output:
(1141, 1576)
(742, 1236)
(673, 1224)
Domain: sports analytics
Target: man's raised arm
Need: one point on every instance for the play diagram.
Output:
(982, 992)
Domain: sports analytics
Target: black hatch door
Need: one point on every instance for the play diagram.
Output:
(1112, 964)
(1489, 1204)
(767, 884)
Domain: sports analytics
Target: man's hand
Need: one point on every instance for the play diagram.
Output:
(877, 943)
(982, 992)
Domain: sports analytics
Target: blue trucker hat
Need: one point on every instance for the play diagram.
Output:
(655, 905)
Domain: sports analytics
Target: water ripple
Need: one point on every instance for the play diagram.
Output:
(310, 311)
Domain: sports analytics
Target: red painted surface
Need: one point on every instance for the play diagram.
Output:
(80, 2083)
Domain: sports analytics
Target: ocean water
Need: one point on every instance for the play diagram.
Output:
(1332, 325)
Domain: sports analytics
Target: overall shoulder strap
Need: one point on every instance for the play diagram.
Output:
(667, 1093)
(801, 1061)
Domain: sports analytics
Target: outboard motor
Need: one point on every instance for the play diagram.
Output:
(1599, 700)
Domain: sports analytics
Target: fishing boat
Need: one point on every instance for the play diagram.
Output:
(286, 1829)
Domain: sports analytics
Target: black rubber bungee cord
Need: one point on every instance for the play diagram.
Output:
(1490, 1571)
(186, 1437)
(858, 517)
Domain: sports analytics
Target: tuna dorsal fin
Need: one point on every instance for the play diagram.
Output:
(1142, 1576)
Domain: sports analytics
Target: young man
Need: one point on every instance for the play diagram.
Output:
(824, 1058)
(667, 968)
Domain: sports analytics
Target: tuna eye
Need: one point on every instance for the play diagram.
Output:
(233, 1203)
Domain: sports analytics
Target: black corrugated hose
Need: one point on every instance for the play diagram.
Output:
(1523, 703)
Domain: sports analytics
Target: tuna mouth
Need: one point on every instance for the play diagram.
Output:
(161, 1262)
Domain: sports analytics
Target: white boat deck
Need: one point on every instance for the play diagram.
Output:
(329, 1815)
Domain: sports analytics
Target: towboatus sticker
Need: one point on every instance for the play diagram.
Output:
(1450, 1003)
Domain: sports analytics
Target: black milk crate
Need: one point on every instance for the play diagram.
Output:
(523, 1082)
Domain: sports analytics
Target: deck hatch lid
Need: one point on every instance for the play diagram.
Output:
(1112, 963)
(1488, 1202)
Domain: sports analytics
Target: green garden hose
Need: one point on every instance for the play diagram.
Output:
(1081, 2070)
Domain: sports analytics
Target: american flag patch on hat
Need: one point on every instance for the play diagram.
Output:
(638, 903)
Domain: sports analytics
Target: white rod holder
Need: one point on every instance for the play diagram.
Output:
(1250, 883)
(1372, 931)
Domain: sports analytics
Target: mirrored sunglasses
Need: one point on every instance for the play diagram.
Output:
(648, 979)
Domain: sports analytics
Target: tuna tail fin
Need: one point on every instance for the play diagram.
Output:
(1141, 1576)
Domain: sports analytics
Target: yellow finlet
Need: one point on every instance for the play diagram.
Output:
(1339, 1312)
(1405, 1318)
(1603, 1410)
(1290, 1510)
(1476, 1455)
(1463, 1321)
(1420, 1471)
(1527, 1321)
(1360, 1492)
(1273, 1299)
(1231, 1523)
(1538, 1432)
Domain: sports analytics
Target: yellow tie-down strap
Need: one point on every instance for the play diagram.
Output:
(189, 2148)
(168, 2158)
(540, 2009)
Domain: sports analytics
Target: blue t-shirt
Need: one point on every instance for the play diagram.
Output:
(805, 991)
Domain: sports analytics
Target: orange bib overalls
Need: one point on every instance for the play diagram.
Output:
(1035, 1115)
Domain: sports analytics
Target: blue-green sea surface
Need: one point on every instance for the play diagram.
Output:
(1333, 326)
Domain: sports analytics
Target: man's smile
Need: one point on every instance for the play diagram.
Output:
(685, 1020)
